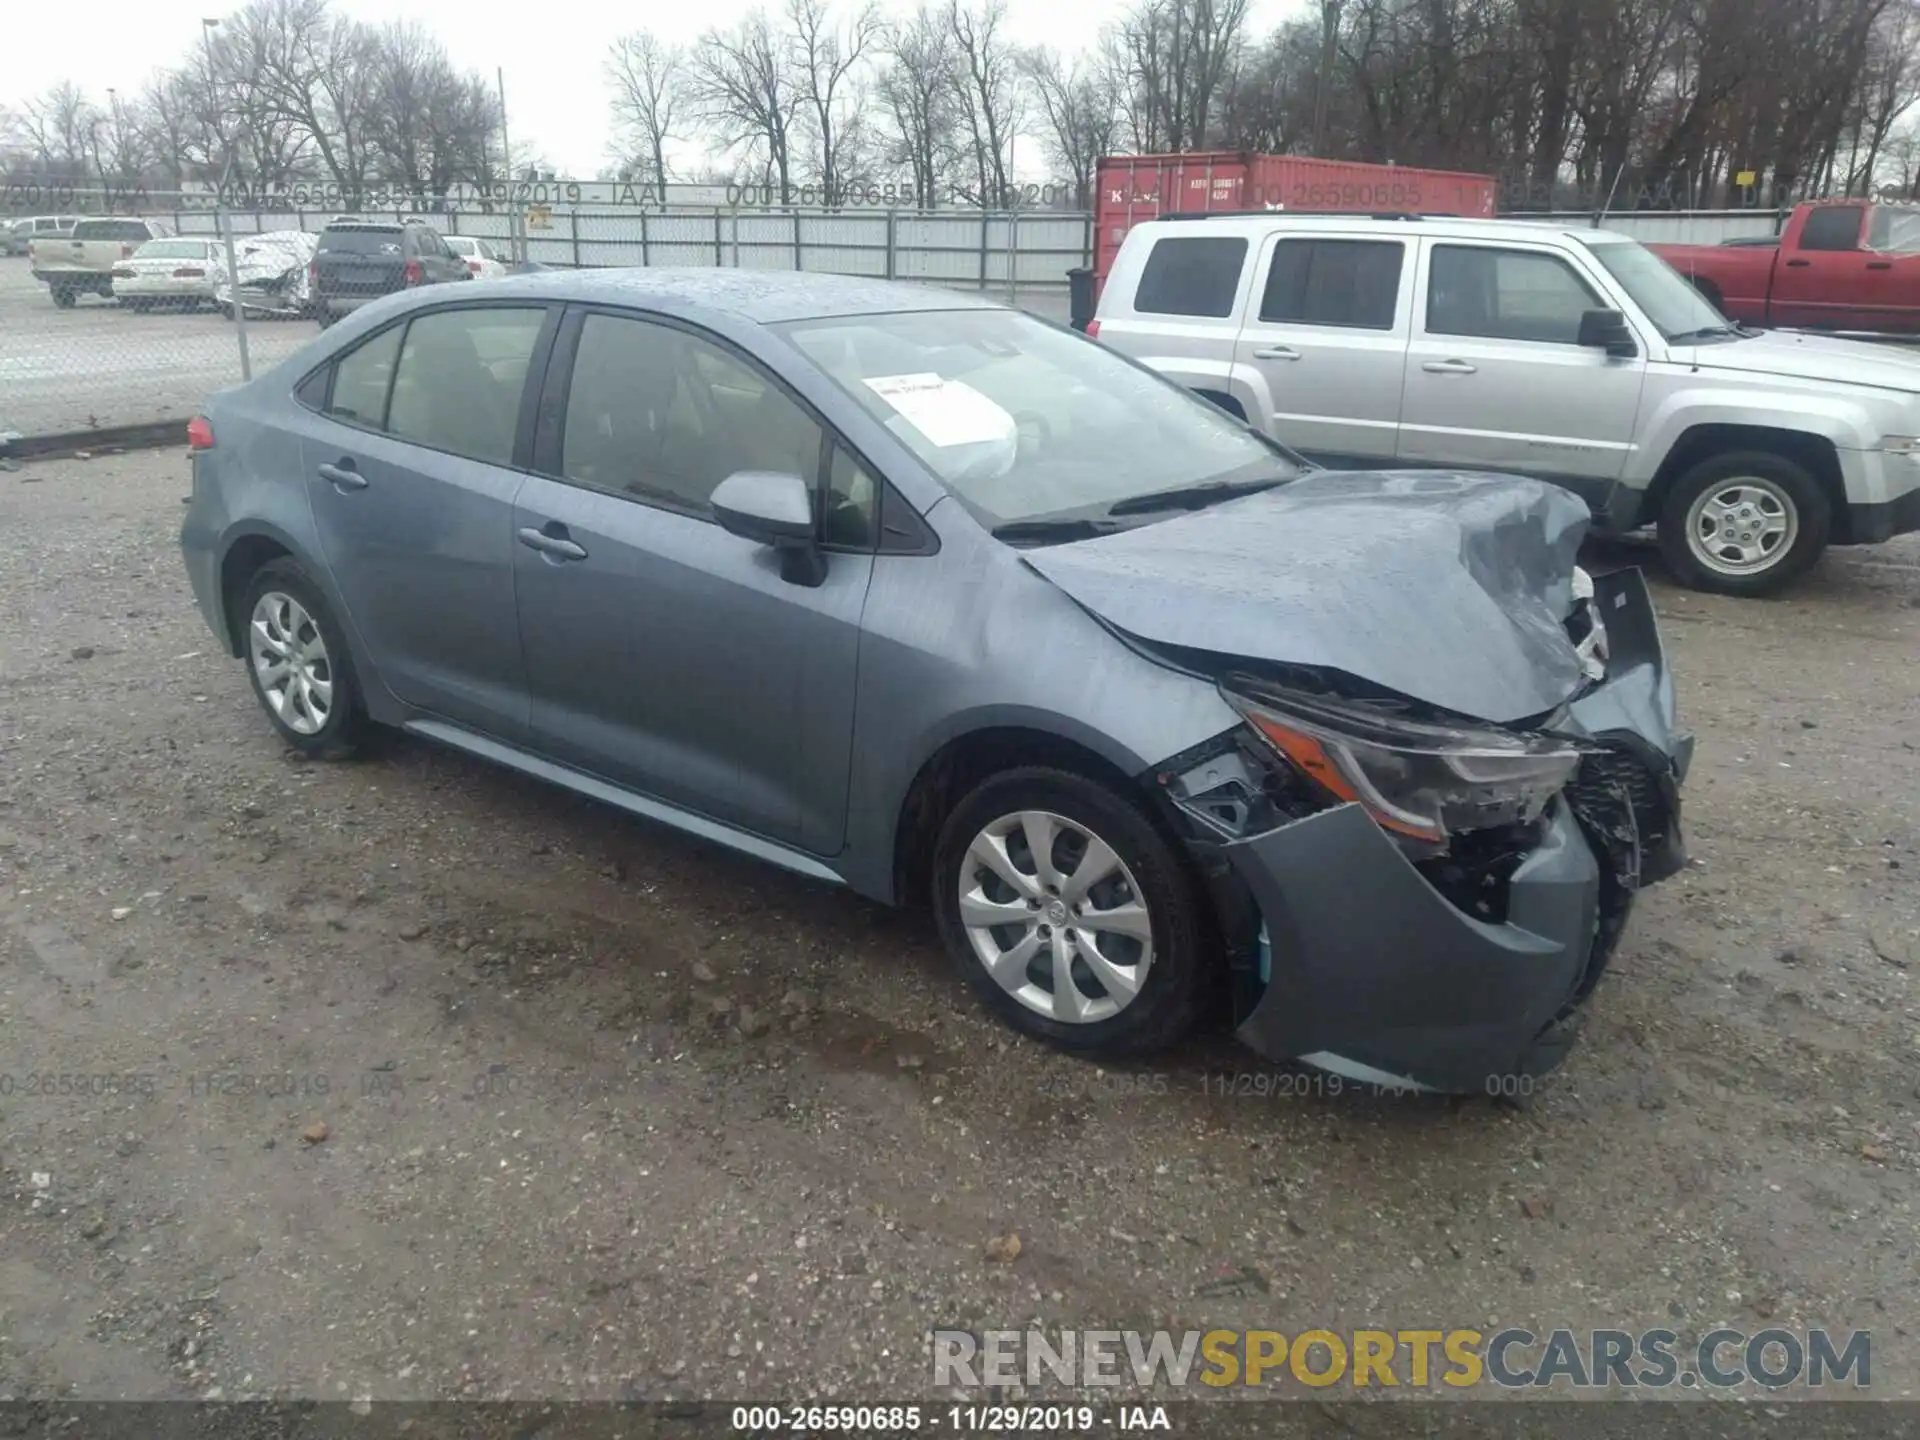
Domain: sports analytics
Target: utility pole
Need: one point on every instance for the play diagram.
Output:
(220, 216)
(514, 237)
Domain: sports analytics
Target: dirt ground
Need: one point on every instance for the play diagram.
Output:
(608, 1114)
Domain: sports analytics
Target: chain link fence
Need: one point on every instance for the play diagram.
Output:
(128, 319)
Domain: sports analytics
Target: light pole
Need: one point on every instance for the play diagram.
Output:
(220, 213)
(113, 110)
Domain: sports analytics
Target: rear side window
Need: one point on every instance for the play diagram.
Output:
(1834, 227)
(1352, 283)
(1192, 275)
(1506, 295)
(360, 240)
(363, 378)
(122, 230)
(460, 378)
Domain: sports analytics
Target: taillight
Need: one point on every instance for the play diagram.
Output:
(199, 433)
(126, 252)
(474, 266)
(313, 272)
(1093, 329)
(124, 272)
(189, 273)
(414, 273)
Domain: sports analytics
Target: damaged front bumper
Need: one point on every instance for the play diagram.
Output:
(1367, 967)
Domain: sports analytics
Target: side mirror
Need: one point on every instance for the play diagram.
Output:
(770, 508)
(1607, 330)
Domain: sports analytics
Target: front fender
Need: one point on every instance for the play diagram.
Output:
(1671, 411)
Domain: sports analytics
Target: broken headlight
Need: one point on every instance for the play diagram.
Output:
(1421, 782)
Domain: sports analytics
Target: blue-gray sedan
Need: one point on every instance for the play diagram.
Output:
(913, 593)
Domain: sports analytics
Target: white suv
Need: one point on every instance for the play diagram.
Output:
(1573, 355)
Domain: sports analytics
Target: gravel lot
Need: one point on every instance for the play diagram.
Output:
(610, 1114)
(99, 365)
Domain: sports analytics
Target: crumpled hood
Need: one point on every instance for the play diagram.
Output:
(1447, 588)
(1826, 358)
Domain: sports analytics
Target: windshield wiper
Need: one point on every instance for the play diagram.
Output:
(1711, 332)
(1044, 532)
(1192, 497)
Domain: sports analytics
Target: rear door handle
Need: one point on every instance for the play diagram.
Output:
(1798, 264)
(1450, 367)
(1276, 352)
(343, 476)
(552, 541)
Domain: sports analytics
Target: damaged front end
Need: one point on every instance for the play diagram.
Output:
(1415, 899)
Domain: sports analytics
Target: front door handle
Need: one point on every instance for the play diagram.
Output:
(343, 476)
(552, 541)
(1450, 367)
(1276, 352)
(1879, 264)
(1798, 264)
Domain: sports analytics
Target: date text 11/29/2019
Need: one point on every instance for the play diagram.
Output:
(960, 1419)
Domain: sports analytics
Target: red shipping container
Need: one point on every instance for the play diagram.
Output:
(1132, 188)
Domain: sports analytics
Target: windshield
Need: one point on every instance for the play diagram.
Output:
(1894, 231)
(112, 230)
(1022, 420)
(172, 250)
(1662, 293)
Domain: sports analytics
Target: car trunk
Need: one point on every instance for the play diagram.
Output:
(359, 263)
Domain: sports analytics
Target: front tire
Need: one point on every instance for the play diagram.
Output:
(298, 664)
(1747, 523)
(1071, 915)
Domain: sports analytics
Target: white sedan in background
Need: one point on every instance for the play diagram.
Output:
(176, 273)
(482, 259)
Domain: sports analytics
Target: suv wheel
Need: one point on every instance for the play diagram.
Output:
(1746, 523)
(1073, 917)
(297, 662)
(63, 296)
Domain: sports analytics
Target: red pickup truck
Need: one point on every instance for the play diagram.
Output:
(1839, 265)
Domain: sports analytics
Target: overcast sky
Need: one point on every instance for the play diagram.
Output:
(552, 52)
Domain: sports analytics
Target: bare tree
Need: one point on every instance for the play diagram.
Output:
(916, 91)
(987, 91)
(59, 126)
(1180, 54)
(1081, 111)
(430, 125)
(828, 61)
(646, 76)
(317, 71)
(742, 84)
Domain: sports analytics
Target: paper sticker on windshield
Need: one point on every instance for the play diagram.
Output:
(947, 412)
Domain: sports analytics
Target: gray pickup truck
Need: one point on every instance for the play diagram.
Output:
(1576, 356)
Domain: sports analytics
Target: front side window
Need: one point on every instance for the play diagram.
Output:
(1191, 275)
(664, 415)
(1893, 231)
(1506, 295)
(1021, 420)
(458, 384)
(1349, 283)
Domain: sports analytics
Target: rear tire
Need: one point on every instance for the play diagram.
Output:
(1135, 939)
(63, 296)
(1746, 523)
(298, 665)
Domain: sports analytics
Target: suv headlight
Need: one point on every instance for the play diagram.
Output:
(1420, 781)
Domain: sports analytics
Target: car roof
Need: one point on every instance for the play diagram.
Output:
(1452, 227)
(761, 296)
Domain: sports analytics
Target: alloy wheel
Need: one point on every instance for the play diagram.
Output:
(290, 661)
(1742, 526)
(1056, 917)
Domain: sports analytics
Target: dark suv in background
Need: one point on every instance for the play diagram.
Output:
(361, 260)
